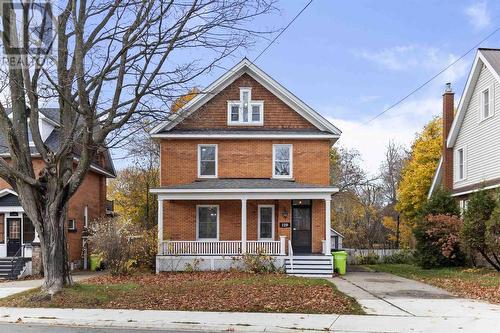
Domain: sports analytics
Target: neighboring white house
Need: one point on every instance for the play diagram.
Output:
(471, 156)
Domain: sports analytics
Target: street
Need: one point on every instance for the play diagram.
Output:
(31, 328)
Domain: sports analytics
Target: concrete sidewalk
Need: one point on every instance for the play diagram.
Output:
(8, 288)
(243, 322)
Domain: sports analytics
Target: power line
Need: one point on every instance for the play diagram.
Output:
(433, 77)
(282, 31)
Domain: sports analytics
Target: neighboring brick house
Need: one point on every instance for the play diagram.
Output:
(89, 202)
(245, 169)
(471, 136)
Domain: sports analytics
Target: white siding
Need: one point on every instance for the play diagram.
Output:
(479, 139)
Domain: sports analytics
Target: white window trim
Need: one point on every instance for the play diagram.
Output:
(72, 228)
(291, 161)
(491, 103)
(240, 121)
(198, 223)
(261, 121)
(258, 222)
(457, 164)
(463, 206)
(216, 160)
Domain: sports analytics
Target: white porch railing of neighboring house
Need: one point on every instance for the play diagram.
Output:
(222, 247)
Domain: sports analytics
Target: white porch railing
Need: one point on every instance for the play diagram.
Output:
(264, 247)
(221, 247)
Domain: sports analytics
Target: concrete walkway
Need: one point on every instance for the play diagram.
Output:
(16, 286)
(390, 295)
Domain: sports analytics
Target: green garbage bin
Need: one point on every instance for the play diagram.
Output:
(95, 262)
(340, 261)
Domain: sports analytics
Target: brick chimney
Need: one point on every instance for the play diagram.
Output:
(448, 114)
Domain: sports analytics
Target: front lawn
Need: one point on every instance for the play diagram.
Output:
(199, 291)
(477, 283)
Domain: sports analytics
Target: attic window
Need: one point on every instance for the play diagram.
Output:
(487, 103)
(245, 111)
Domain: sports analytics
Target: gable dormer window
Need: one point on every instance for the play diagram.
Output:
(245, 111)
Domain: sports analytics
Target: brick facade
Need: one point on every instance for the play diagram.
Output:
(244, 159)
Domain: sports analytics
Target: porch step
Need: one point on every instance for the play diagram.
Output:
(6, 271)
(310, 266)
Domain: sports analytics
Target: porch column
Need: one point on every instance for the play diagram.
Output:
(160, 227)
(243, 226)
(328, 226)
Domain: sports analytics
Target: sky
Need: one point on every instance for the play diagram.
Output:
(349, 60)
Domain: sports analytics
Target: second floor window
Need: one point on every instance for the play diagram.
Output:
(282, 161)
(487, 103)
(207, 161)
(245, 111)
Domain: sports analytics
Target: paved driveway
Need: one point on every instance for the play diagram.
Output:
(387, 294)
(8, 288)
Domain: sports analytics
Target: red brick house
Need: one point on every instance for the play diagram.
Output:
(17, 232)
(471, 142)
(245, 169)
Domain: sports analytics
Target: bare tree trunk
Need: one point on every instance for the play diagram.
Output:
(47, 207)
(54, 253)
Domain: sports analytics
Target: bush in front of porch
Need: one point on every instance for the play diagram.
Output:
(199, 291)
(125, 246)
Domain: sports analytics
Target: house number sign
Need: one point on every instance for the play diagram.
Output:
(284, 224)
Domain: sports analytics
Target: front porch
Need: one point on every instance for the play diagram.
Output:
(282, 219)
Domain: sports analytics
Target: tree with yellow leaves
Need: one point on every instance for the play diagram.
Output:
(130, 193)
(405, 232)
(418, 171)
(182, 100)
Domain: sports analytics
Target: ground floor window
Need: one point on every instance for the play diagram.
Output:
(207, 217)
(28, 230)
(266, 221)
(71, 225)
(2, 229)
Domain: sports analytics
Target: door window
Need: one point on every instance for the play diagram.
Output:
(14, 229)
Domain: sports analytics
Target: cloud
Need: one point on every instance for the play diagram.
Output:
(395, 58)
(401, 125)
(478, 15)
(414, 57)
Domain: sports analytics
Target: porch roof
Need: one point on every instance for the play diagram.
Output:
(244, 188)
